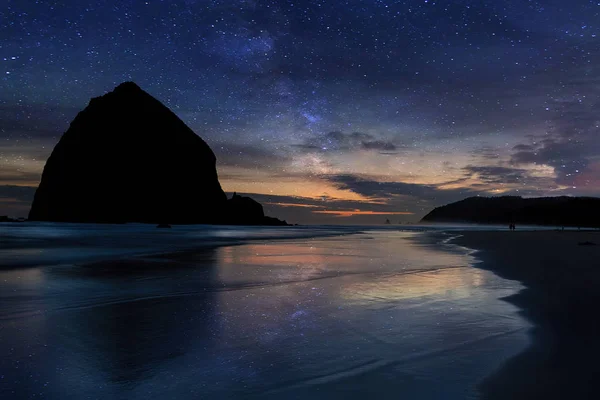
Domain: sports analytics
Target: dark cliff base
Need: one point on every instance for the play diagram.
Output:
(549, 211)
(561, 272)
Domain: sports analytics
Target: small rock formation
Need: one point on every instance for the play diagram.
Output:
(243, 210)
(128, 158)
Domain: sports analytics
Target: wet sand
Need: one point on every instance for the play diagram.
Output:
(561, 299)
(97, 313)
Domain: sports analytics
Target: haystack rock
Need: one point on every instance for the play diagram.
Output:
(127, 158)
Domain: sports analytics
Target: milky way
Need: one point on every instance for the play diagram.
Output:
(325, 111)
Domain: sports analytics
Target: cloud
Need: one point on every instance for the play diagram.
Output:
(571, 143)
(15, 201)
(353, 213)
(321, 203)
(524, 147)
(497, 174)
(10, 174)
(280, 204)
(486, 152)
(378, 145)
(325, 209)
(389, 190)
(19, 193)
(337, 141)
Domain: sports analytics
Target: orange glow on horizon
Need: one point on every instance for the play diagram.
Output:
(350, 213)
(294, 205)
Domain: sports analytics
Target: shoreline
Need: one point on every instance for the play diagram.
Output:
(561, 299)
(33, 245)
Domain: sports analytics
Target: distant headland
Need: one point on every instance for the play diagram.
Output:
(549, 211)
(128, 158)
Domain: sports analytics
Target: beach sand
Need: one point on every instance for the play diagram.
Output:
(561, 299)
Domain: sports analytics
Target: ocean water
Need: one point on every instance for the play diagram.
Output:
(134, 312)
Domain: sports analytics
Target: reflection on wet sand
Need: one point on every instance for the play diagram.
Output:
(369, 314)
(22, 292)
(457, 282)
(373, 253)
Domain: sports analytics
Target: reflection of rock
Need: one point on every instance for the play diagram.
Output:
(127, 158)
(142, 326)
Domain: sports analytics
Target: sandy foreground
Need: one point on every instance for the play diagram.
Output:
(561, 273)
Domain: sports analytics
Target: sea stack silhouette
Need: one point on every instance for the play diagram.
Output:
(128, 158)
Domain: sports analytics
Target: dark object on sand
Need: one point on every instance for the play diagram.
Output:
(163, 226)
(586, 243)
(128, 158)
(4, 218)
(556, 211)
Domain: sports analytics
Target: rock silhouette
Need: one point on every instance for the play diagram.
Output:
(246, 211)
(128, 158)
(554, 211)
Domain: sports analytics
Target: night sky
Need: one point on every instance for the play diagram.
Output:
(325, 111)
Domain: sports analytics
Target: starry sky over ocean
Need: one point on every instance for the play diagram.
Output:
(325, 111)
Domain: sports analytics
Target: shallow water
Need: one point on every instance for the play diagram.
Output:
(109, 313)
